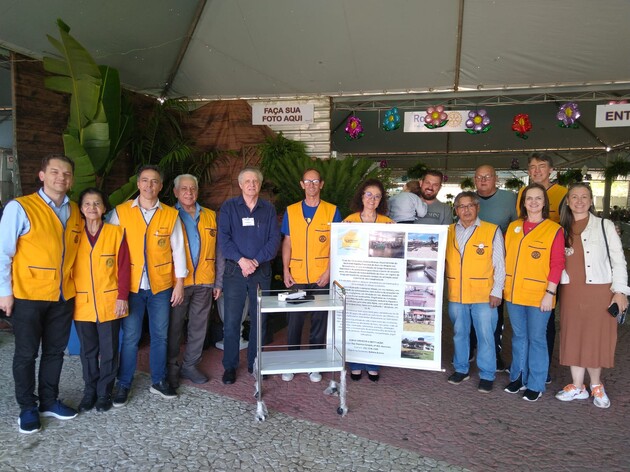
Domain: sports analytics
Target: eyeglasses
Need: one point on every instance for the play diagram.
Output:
(484, 177)
(374, 196)
(311, 181)
(470, 206)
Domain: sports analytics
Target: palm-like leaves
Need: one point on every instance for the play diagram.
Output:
(284, 162)
(96, 130)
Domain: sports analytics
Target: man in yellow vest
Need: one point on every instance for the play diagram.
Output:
(40, 239)
(475, 271)
(539, 169)
(202, 284)
(306, 257)
(156, 248)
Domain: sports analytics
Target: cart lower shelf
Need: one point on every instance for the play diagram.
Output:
(305, 360)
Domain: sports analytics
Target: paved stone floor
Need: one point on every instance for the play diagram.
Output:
(410, 420)
(200, 430)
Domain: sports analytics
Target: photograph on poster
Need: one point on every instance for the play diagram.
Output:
(417, 346)
(421, 296)
(387, 244)
(418, 319)
(421, 271)
(423, 245)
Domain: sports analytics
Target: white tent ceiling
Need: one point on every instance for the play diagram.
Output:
(368, 55)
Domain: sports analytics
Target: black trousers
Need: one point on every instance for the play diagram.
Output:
(35, 323)
(99, 340)
(319, 323)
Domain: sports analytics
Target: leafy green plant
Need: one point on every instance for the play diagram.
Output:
(100, 122)
(284, 161)
(569, 176)
(467, 184)
(514, 183)
(417, 171)
(159, 140)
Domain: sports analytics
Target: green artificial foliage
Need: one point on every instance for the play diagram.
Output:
(417, 171)
(617, 168)
(514, 184)
(100, 123)
(159, 140)
(467, 183)
(569, 177)
(284, 162)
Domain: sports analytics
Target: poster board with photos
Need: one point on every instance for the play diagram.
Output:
(394, 280)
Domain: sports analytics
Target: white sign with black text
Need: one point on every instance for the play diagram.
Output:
(282, 113)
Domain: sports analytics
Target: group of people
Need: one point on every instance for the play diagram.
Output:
(61, 260)
(556, 241)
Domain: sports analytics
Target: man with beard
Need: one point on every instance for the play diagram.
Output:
(438, 213)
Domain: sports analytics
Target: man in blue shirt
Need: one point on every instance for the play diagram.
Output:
(248, 239)
(202, 284)
(498, 207)
(306, 257)
(40, 238)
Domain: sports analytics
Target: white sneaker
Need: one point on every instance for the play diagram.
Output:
(600, 399)
(287, 377)
(315, 377)
(571, 392)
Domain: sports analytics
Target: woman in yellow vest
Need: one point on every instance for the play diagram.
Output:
(370, 203)
(102, 273)
(534, 260)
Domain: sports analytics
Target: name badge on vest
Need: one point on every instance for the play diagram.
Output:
(480, 250)
(248, 221)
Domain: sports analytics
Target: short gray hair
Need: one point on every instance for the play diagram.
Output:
(185, 176)
(255, 170)
(472, 195)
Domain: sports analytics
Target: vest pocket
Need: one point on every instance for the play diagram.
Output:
(164, 268)
(42, 273)
(533, 285)
(478, 282)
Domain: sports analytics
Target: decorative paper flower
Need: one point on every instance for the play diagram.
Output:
(436, 117)
(568, 114)
(521, 125)
(391, 121)
(478, 122)
(354, 128)
(383, 164)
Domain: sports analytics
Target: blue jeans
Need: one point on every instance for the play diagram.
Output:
(484, 319)
(158, 307)
(529, 345)
(355, 366)
(235, 289)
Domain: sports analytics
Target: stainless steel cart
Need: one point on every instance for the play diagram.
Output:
(330, 359)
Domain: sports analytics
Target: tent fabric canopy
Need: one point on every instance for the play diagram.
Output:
(351, 50)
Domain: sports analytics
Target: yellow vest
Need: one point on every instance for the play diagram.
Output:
(356, 218)
(310, 242)
(154, 240)
(42, 264)
(205, 273)
(555, 194)
(471, 276)
(527, 262)
(96, 276)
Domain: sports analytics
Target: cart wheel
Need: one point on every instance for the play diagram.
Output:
(261, 418)
(342, 411)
